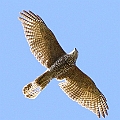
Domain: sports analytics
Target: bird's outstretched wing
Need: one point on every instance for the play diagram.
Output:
(80, 88)
(41, 40)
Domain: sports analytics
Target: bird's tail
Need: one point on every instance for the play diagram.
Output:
(33, 89)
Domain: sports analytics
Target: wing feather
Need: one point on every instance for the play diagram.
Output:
(41, 40)
(80, 88)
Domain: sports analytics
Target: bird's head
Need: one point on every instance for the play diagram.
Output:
(74, 54)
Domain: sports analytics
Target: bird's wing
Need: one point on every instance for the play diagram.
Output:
(41, 40)
(80, 88)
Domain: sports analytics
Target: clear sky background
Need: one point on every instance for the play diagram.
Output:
(92, 26)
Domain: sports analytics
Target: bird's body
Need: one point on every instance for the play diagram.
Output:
(63, 64)
(60, 65)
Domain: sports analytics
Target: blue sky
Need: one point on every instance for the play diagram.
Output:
(93, 27)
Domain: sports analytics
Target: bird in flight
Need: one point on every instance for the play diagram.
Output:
(60, 65)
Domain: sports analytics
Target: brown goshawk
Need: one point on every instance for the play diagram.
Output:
(60, 65)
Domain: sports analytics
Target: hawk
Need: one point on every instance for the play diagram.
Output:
(60, 65)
